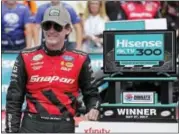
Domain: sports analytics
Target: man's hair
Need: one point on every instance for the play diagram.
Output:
(68, 26)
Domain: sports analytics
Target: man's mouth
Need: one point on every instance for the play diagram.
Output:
(52, 36)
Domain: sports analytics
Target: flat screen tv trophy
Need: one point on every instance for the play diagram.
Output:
(142, 68)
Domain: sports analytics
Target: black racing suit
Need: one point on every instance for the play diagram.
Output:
(36, 119)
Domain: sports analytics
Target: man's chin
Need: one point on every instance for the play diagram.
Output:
(52, 45)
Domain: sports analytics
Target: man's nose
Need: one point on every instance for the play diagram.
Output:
(52, 29)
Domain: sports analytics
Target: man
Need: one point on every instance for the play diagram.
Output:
(15, 21)
(74, 18)
(50, 77)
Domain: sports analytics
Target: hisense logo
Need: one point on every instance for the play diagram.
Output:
(126, 43)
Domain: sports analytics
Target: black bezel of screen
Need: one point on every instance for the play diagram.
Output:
(131, 73)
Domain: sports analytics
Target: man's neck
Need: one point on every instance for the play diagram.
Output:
(54, 52)
(55, 47)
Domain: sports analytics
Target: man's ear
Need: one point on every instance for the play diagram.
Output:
(68, 29)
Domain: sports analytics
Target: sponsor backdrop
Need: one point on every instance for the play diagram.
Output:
(8, 60)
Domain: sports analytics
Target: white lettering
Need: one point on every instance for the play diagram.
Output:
(121, 111)
(126, 43)
(96, 131)
(65, 69)
(37, 63)
(54, 78)
(9, 118)
(50, 79)
(14, 70)
(145, 14)
(136, 111)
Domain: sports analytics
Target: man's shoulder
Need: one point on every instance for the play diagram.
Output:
(31, 50)
(21, 6)
(68, 7)
(78, 52)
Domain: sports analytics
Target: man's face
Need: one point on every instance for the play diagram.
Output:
(54, 35)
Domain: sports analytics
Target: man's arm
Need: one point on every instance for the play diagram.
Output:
(28, 31)
(115, 11)
(89, 90)
(15, 96)
(78, 29)
(38, 20)
(38, 34)
(158, 6)
(76, 21)
(28, 35)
